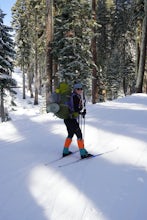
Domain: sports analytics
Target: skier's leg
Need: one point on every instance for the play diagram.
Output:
(68, 140)
(66, 147)
(83, 152)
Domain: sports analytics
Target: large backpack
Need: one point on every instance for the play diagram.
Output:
(61, 101)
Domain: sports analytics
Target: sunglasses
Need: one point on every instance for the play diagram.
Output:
(79, 89)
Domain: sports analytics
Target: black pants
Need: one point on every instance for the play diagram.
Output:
(72, 126)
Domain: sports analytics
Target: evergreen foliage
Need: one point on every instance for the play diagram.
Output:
(6, 54)
(6, 47)
(6, 62)
(115, 27)
(29, 25)
(114, 45)
(72, 40)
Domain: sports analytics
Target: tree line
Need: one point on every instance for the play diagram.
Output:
(101, 43)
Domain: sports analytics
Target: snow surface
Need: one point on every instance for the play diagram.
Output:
(112, 186)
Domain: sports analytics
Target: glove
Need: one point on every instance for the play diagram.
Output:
(83, 113)
(75, 114)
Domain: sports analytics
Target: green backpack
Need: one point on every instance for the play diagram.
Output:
(61, 101)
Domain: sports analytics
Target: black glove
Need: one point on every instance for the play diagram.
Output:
(83, 113)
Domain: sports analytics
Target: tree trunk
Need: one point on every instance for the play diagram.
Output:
(137, 48)
(36, 75)
(2, 105)
(94, 53)
(49, 38)
(36, 62)
(23, 79)
(30, 81)
(141, 70)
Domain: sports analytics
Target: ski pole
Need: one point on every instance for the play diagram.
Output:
(84, 127)
(81, 122)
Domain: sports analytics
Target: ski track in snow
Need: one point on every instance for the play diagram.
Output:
(110, 187)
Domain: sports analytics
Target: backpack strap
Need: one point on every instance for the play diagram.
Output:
(70, 103)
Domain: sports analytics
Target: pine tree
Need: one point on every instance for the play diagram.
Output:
(29, 24)
(72, 40)
(121, 69)
(114, 45)
(22, 37)
(143, 45)
(6, 65)
(49, 57)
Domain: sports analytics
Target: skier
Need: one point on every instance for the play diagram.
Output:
(72, 123)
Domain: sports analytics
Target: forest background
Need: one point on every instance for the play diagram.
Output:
(101, 43)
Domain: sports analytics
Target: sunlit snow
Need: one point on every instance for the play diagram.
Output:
(112, 186)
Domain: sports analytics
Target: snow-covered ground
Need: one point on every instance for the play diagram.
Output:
(112, 186)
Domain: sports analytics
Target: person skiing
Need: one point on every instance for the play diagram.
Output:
(72, 123)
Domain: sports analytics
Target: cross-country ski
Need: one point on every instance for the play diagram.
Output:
(88, 158)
